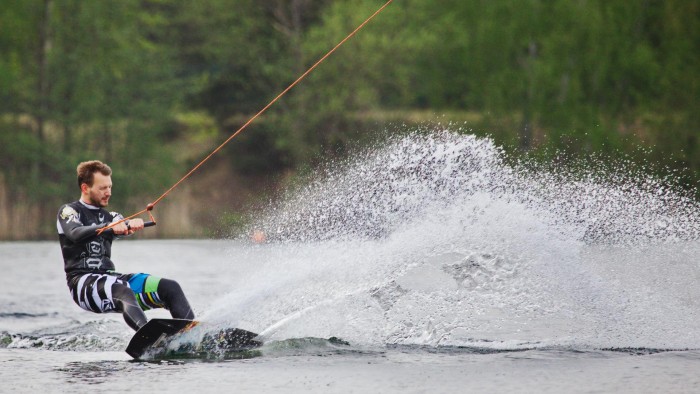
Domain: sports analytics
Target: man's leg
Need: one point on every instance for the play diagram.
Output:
(154, 292)
(102, 293)
(125, 302)
(174, 298)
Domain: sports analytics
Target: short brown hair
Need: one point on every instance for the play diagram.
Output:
(87, 170)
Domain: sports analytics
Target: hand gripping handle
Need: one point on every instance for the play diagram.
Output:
(145, 224)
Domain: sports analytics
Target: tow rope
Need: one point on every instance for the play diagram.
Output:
(152, 205)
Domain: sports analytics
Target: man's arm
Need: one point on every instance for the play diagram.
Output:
(70, 225)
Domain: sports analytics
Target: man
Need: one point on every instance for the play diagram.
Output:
(92, 281)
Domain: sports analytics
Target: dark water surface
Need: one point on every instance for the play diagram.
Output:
(50, 345)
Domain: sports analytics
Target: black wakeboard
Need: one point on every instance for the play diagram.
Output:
(157, 333)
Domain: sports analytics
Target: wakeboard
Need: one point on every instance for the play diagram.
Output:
(157, 333)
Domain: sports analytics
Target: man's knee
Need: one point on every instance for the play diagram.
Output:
(122, 294)
(175, 299)
(169, 287)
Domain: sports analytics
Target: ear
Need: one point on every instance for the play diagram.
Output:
(84, 188)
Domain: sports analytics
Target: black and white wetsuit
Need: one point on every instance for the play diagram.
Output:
(83, 250)
(91, 276)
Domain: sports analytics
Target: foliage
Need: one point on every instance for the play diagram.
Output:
(128, 81)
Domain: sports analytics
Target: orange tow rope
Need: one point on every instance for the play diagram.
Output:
(152, 205)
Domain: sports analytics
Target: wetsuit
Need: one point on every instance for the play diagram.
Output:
(93, 283)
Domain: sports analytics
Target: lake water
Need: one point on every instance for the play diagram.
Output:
(445, 267)
(56, 347)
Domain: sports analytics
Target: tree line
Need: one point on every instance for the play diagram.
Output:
(150, 85)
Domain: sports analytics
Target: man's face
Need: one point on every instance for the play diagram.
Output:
(101, 190)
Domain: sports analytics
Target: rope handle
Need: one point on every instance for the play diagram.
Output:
(109, 229)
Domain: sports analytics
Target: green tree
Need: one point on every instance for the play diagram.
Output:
(104, 89)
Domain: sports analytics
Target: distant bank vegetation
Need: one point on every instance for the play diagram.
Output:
(150, 86)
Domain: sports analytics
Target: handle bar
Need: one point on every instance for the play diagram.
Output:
(145, 224)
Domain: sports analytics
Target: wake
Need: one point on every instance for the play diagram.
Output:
(438, 238)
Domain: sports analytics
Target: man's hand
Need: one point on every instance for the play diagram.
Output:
(133, 226)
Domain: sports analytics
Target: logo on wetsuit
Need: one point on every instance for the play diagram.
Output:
(94, 261)
(70, 215)
(107, 305)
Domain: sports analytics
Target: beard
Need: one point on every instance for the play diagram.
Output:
(96, 200)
